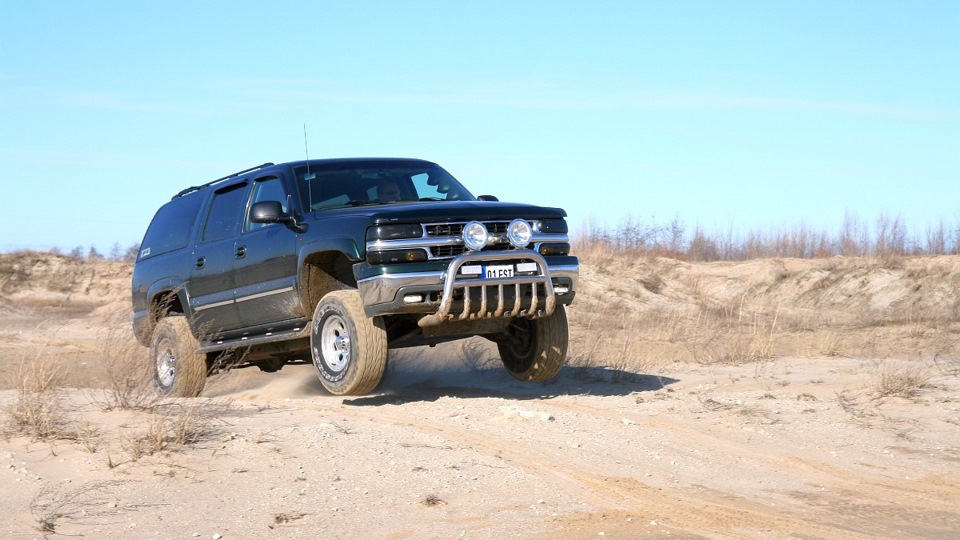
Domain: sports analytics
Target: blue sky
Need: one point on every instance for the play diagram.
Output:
(730, 115)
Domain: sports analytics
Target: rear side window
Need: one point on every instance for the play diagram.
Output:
(223, 221)
(171, 226)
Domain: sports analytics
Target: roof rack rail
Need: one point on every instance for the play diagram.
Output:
(238, 173)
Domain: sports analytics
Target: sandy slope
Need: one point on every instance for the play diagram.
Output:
(785, 447)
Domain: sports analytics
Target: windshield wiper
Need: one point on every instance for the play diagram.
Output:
(345, 204)
(364, 203)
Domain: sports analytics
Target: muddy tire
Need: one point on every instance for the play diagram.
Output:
(535, 349)
(178, 369)
(348, 348)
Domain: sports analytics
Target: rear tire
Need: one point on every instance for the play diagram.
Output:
(348, 348)
(178, 369)
(535, 349)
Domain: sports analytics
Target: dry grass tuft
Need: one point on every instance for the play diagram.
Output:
(173, 425)
(53, 505)
(128, 373)
(40, 411)
(900, 380)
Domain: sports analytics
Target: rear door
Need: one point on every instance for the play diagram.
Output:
(266, 267)
(211, 281)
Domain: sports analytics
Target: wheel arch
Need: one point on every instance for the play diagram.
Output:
(167, 297)
(324, 271)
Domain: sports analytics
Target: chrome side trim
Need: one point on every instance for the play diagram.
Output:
(243, 299)
(213, 305)
(261, 295)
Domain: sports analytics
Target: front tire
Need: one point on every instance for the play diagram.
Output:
(178, 369)
(535, 349)
(348, 348)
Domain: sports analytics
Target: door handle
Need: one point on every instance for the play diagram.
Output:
(200, 262)
(241, 251)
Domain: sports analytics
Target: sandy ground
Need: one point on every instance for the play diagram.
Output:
(784, 447)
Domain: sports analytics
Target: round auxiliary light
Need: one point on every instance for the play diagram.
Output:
(519, 232)
(475, 236)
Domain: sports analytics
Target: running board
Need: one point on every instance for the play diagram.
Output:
(245, 341)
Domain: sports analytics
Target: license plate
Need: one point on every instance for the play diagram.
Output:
(497, 272)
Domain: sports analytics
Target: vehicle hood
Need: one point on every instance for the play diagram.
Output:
(441, 211)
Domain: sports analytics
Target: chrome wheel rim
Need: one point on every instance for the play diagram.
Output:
(166, 366)
(335, 344)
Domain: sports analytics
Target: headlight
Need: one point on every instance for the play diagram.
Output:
(394, 232)
(558, 225)
(475, 236)
(519, 232)
(396, 256)
(558, 248)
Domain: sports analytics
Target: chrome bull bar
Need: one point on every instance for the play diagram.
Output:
(519, 284)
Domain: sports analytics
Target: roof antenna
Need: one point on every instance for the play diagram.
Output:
(306, 176)
(305, 149)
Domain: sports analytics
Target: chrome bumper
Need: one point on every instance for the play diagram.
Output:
(380, 293)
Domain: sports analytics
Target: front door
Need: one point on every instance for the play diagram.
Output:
(266, 274)
(212, 283)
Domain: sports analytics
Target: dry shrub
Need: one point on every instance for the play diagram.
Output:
(946, 352)
(831, 344)
(612, 346)
(128, 374)
(151, 440)
(129, 384)
(174, 424)
(40, 410)
(887, 240)
(733, 333)
(52, 504)
(900, 380)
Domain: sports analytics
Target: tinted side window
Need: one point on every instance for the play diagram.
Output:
(223, 220)
(171, 226)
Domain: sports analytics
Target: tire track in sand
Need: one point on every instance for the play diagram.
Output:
(685, 512)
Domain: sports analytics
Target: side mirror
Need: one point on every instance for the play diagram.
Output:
(268, 212)
(487, 198)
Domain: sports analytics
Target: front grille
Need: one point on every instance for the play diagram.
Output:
(456, 229)
(445, 229)
(447, 251)
(453, 251)
(440, 230)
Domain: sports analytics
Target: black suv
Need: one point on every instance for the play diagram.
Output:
(340, 260)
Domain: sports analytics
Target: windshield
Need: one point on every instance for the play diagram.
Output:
(336, 185)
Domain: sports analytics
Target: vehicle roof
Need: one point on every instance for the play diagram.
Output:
(312, 162)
